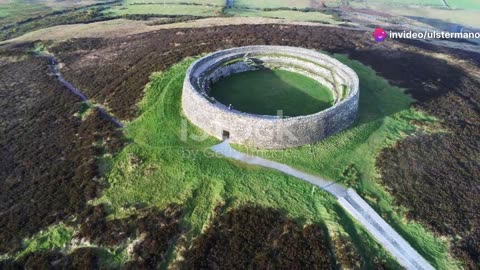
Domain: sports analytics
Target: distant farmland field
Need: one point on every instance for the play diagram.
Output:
(21, 10)
(466, 17)
(285, 14)
(409, 2)
(202, 2)
(460, 4)
(464, 4)
(283, 3)
(167, 9)
(457, 4)
(271, 3)
(18, 10)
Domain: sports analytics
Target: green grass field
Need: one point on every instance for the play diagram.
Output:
(466, 17)
(20, 10)
(408, 2)
(460, 4)
(267, 91)
(168, 9)
(198, 2)
(456, 4)
(284, 14)
(283, 3)
(272, 3)
(464, 4)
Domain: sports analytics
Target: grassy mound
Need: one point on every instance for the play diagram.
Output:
(165, 163)
(266, 91)
(168, 161)
(161, 166)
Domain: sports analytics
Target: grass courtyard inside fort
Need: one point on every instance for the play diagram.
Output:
(266, 91)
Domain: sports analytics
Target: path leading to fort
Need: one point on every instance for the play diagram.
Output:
(350, 201)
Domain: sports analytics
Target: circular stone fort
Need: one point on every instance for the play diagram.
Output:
(247, 125)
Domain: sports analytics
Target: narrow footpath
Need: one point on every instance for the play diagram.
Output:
(350, 201)
(53, 63)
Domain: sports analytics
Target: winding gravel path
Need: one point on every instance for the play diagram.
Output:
(350, 201)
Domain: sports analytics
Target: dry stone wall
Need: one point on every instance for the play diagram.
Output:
(266, 131)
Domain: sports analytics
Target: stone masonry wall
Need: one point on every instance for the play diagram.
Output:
(264, 131)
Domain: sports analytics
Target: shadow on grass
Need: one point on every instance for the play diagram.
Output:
(369, 258)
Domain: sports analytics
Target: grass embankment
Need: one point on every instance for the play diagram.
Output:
(385, 116)
(266, 91)
(159, 168)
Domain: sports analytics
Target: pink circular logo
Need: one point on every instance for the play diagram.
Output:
(379, 34)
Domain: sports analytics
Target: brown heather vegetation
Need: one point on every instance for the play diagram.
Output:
(249, 237)
(437, 176)
(115, 71)
(157, 230)
(48, 162)
(253, 237)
